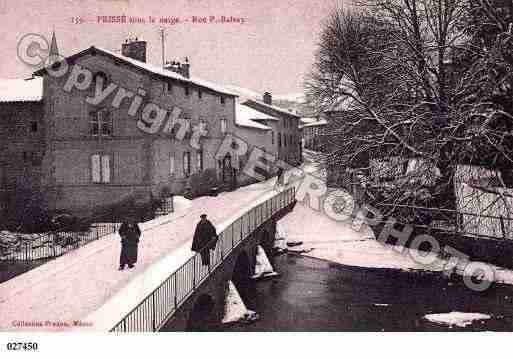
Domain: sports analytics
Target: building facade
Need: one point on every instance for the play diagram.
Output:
(252, 127)
(22, 142)
(113, 128)
(285, 133)
(312, 132)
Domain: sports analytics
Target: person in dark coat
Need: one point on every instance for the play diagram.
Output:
(204, 240)
(129, 233)
(234, 178)
(279, 173)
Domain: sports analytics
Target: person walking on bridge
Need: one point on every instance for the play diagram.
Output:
(205, 239)
(129, 233)
(279, 175)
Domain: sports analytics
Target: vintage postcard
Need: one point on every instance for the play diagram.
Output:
(255, 166)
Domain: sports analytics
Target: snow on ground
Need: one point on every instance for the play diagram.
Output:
(458, 319)
(78, 283)
(181, 203)
(338, 242)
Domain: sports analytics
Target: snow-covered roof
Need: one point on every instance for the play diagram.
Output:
(243, 92)
(156, 70)
(306, 120)
(21, 90)
(272, 107)
(170, 74)
(244, 116)
(316, 123)
(343, 103)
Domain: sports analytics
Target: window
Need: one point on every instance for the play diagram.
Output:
(223, 101)
(54, 105)
(33, 126)
(100, 168)
(242, 161)
(32, 158)
(187, 90)
(172, 164)
(272, 137)
(101, 123)
(102, 75)
(168, 87)
(199, 162)
(279, 139)
(200, 93)
(291, 140)
(284, 140)
(186, 164)
(223, 125)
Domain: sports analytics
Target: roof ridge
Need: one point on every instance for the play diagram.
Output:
(167, 73)
(274, 107)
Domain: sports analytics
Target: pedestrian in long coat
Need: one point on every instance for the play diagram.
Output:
(205, 238)
(129, 233)
(279, 181)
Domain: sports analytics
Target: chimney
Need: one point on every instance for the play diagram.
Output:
(268, 98)
(179, 68)
(186, 68)
(135, 49)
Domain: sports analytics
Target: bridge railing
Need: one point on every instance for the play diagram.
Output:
(161, 304)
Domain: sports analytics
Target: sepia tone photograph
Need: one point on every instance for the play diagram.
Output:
(255, 166)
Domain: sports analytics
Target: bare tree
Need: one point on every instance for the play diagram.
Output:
(415, 85)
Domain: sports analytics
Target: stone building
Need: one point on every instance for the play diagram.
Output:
(252, 127)
(22, 143)
(106, 128)
(285, 133)
(312, 132)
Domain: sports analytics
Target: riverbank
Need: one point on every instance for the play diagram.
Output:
(337, 242)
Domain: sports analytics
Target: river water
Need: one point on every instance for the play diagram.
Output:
(318, 295)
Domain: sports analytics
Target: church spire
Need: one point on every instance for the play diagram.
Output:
(53, 56)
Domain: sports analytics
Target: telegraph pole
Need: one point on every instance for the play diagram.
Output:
(162, 38)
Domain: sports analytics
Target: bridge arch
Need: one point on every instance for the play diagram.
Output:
(242, 269)
(266, 241)
(241, 277)
(202, 313)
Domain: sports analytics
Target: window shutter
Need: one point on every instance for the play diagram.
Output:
(107, 124)
(106, 169)
(93, 124)
(171, 164)
(200, 160)
(95, 168)
(186, 164)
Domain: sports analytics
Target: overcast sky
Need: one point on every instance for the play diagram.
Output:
(271, 51)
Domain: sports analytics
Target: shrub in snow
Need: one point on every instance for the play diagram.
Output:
(202, 183)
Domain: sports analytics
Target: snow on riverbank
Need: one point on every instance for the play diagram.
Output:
(337, 242)
(458, 319)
